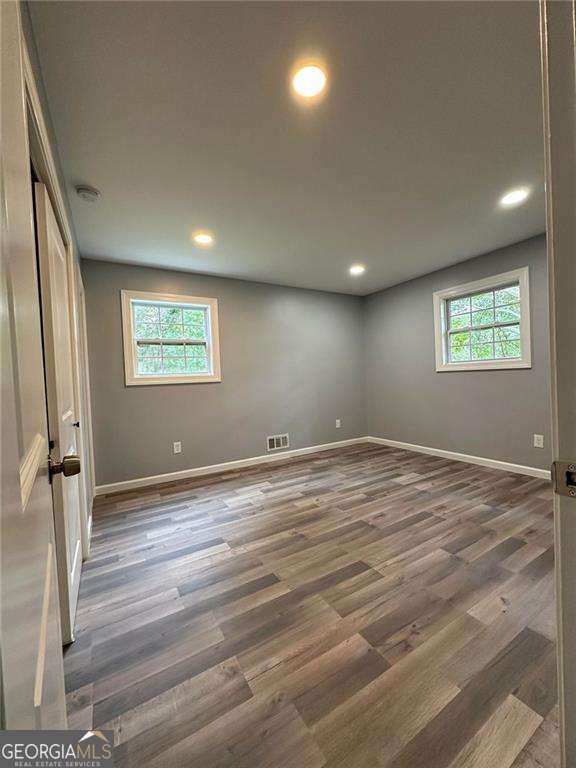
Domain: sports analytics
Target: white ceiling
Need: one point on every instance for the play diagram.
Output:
(180, 114)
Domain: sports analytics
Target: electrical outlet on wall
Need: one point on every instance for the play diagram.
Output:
(538, 441)
(338, 423)
(177, 447)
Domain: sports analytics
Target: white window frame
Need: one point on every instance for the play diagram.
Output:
(520, 276)
(213, 344)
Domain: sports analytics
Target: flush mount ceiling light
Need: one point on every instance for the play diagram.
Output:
(357, 269)
(88, 194)
(514, 197)
(309, 81)
(203, 239)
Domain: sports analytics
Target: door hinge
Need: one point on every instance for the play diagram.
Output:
(564, 478)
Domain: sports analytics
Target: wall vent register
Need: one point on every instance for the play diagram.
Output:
(276, 442)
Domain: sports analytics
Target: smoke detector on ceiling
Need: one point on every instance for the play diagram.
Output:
(88, 194)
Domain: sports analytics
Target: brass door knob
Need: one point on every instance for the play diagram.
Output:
(70, 465)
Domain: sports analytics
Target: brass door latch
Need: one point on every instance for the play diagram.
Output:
(564, 478)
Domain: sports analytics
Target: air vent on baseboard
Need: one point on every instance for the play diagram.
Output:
(276, 442)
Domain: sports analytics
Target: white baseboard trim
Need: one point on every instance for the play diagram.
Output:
(212, 469)
(506, 466)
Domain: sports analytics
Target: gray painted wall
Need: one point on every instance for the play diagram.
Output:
(483, 413)
(292, 361)
(295, 360)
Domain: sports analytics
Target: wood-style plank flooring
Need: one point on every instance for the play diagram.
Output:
(365, 607)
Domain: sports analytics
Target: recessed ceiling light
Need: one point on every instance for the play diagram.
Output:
(514, 197)
(203, 239)
(357, 269)
(309, 81)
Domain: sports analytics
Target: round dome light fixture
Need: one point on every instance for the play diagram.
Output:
(88, 194)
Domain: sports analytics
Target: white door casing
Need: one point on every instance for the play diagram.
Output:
(63, 408)
(558, 48)
(77, 301)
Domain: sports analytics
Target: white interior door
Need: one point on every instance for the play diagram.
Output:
(558, 39)
(63, 411)
(32, 676)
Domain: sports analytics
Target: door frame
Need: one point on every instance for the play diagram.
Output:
(63, 410)
(45, 167)
(558, 60)
(80, 352)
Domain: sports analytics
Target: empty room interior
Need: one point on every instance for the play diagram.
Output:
(284, 331)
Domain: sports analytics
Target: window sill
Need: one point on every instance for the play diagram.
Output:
(139, 381)
(488, 365)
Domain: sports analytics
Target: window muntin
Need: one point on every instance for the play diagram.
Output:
(484, 324)
(170, 338)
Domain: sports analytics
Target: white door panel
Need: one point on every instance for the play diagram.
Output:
(32, 690)
(62, 408)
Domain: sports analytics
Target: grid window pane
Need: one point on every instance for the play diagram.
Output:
(146, 330)
(459, 321)
(484, 326)
(460, 347)
(509, 314)
(198, 362)
(171, 315)
(172, 350)
(171, 322)
(483, 300)
(149, 350)
(458, 306)
(196, 350)
(484, 336)
(169, 359)
(193, 316)
(171, 327)
(507, 333)
(483, 352)
(507, 295)
(460, 354)
(506, 349)
(173, 365)
(460, 339)
(172, 331)
(146, 313)
(150, 365)
(194, 331)
(483, 317)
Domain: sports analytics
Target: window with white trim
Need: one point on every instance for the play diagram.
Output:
(170, 339)
(484, 324)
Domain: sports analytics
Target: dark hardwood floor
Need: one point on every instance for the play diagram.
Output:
(365, 607)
